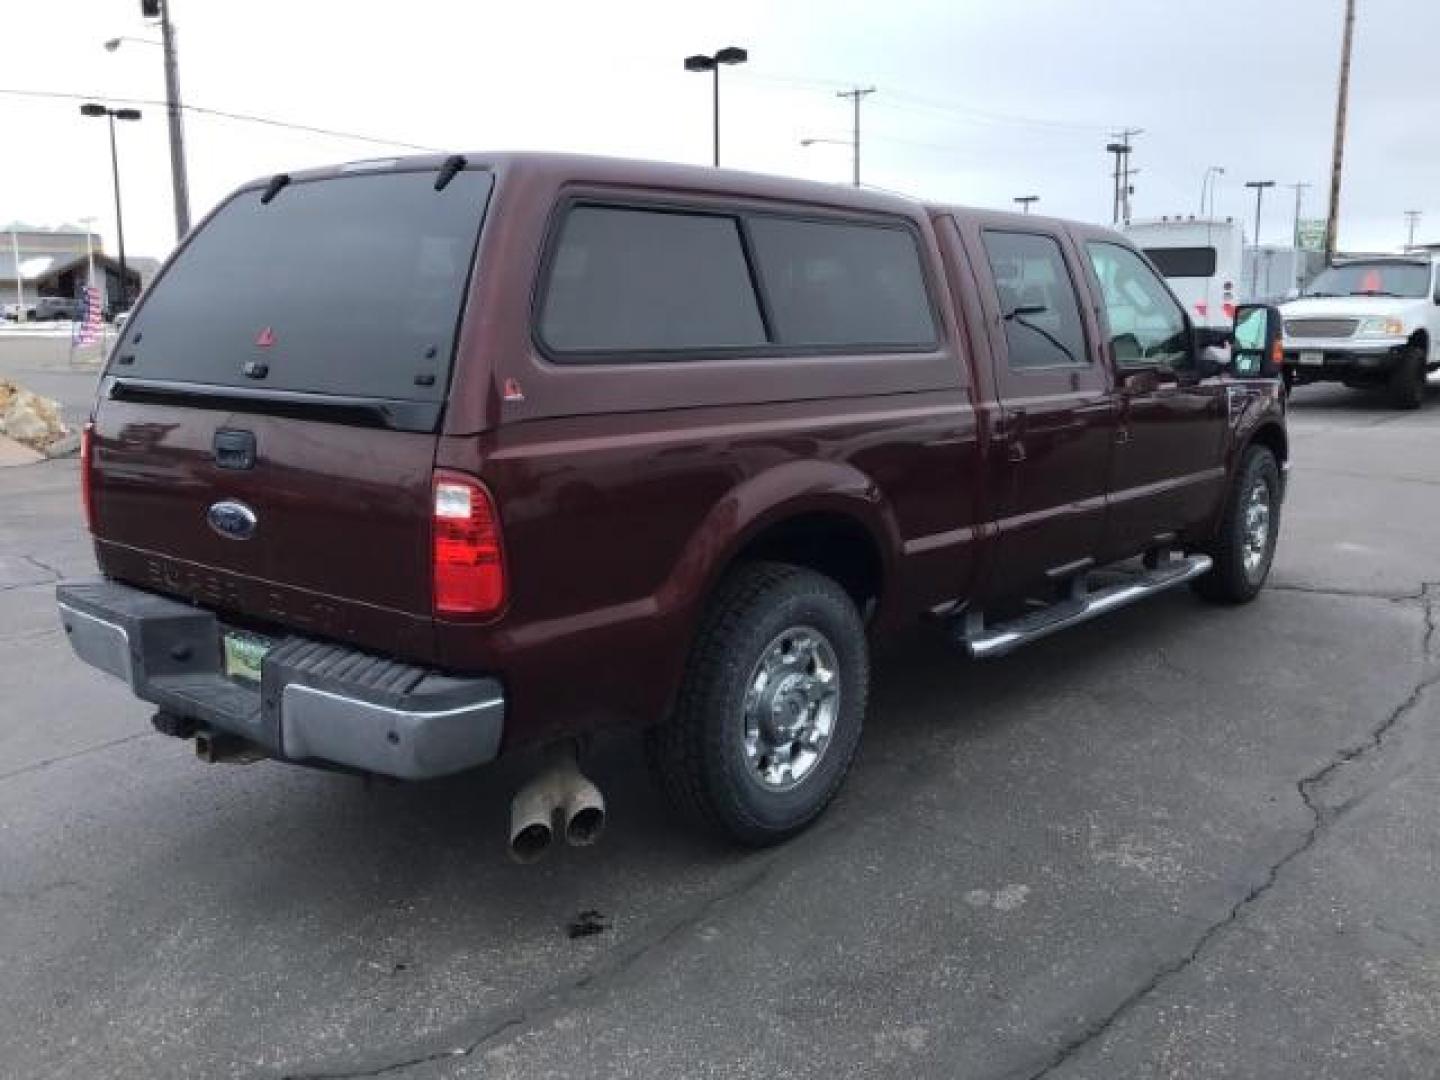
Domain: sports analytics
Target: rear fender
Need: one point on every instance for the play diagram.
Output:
(760, 502)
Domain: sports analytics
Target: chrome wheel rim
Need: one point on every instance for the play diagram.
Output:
(1255, 540)
(791, 701)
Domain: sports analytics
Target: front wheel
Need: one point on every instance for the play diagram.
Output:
(1407, 379)
(1244, 547)
(769, 716)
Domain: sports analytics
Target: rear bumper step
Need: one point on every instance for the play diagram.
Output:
(316, 702)
(983, 642)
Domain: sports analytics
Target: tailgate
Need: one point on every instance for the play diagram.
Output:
(340, 541)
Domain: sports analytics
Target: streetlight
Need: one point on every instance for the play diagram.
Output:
(701, 62)
(1208, 184)
(1259, 186)
(1026, 200)
(179, 181)
(91, 108)
(115, 42)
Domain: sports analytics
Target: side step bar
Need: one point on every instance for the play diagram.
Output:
(1082, 606)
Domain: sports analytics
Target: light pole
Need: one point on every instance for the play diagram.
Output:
(91, 108)
(701, 62)
(174, 109)
(1207, 185)
(1259, 186)
(1026, 200)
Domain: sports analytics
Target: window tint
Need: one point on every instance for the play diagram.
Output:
(1184, 262)
(1043, 327)
(648, 281)
(355, 281)
(837, 283)
(1145, 321)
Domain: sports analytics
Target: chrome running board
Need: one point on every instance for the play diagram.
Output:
(1081, 606)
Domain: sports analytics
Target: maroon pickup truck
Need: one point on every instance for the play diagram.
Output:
(403, 465)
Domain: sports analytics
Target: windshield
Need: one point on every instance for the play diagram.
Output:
(1406, 279)
(348, 286)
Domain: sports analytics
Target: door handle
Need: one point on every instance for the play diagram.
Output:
(1016, 451)
(1122, 436)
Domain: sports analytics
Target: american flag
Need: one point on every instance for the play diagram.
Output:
(87, 327)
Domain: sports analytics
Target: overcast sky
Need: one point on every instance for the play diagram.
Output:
(976, 100)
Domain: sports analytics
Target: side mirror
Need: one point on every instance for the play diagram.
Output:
(1259, 340)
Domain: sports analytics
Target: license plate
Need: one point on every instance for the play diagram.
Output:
(1316, 358)
(243, 653)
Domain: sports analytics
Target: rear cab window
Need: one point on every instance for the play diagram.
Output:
(634, 283)
(349, 286)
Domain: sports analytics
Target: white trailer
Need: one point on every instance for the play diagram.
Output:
(1203, 259)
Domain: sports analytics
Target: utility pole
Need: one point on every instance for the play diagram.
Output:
(855, 95)
(1259, 186)
(1121, 148)
(1412, 218)
(1299, 189)
(179, 182)
(1342, 99)
(1025, 201)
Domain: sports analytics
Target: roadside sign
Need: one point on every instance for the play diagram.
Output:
(1310, 234)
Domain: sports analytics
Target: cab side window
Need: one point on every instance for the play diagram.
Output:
(1043, 326)
(1146, 324)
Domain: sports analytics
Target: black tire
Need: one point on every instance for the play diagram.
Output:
(699, 755)
(1230, 580)
(1407, 379)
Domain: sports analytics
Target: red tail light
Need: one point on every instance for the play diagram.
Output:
(87, 489)
(469, 565)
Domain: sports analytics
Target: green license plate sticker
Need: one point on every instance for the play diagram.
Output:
(243, 653)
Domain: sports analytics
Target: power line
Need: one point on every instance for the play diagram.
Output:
(225, 114)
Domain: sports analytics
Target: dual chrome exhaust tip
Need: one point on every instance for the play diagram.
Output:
(559, 801)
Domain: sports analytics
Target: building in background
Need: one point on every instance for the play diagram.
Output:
(56, 262)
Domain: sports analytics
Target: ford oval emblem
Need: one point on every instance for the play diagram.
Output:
(232, 519)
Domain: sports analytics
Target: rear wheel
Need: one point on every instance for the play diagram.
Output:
(1407, 380)
(770, 712)
(1244, 547)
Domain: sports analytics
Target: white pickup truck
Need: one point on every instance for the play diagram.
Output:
(1368, 322)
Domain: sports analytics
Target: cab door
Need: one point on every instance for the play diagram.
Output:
(1050, 454)
(1167, 475)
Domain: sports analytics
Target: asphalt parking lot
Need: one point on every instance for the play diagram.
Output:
(1182, 841)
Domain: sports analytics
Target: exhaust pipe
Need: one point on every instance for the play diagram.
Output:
(559, 799)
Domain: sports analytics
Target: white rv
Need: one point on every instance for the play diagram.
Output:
(1203, 259)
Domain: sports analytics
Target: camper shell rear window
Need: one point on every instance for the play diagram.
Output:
(349, 286)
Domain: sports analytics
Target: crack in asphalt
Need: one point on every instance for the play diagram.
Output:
(552, 1000)
(36, 766)
(1352, 594)
(54, 573)
(1321, 820)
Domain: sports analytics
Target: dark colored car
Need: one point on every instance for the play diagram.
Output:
(55, 309)
(401, 466)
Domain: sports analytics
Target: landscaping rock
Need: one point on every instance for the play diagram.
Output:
(30, 419)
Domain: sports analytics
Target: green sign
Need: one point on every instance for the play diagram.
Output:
(1310, 235)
